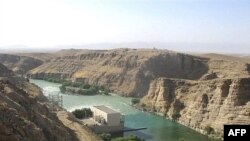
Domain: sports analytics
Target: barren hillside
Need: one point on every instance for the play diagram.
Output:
(126, 71)
(19, 64)
(26, 115)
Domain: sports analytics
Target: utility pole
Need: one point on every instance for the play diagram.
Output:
(56, 101)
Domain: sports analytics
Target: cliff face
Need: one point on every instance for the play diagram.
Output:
(206, 90)
(201, 103)
(25, 115)
(19, 64)
(127, 72)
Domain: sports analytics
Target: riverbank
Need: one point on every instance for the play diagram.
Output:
(158, 128)
(80, 88)
(143, 108)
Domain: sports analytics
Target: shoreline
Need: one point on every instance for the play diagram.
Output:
(136, 106)
(155, 113)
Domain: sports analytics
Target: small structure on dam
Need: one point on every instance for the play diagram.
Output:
(105, 120)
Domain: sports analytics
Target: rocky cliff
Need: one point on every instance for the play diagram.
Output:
(25, 113)
(201, 103)
(19, 64)
(125, 71)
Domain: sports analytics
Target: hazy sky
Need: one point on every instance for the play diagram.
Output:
(39, 23)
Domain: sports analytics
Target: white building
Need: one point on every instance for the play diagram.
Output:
(107, 116)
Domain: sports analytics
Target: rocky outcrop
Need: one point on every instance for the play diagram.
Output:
(224, 66)
(129, 71)
(26, 114)
(19, 64)
(125, 71)
(201, 103)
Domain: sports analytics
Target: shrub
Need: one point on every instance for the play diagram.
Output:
(82, 113)
(66, 83)
(62, 89)
(176, 115)
(143, 105)
(76, 84)
(128, 138)
(84, 89)
(105, 137)
(209, 130)
(85, 86)
(105, 92)
(135, 101)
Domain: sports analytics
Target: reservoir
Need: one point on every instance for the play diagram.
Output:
(158, 128)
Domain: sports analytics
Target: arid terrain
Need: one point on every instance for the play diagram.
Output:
(205, 90)
(27, 116)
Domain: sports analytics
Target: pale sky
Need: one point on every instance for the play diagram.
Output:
(47, 23)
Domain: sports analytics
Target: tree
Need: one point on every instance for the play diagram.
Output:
(82, 113)
(105, 137)
(128, 138)
(135, 101)
(176, 115)
(62, 88)
(209, 130)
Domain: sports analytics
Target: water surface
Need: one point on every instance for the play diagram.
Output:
(158, 128)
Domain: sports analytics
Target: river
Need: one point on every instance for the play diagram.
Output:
(158, 128)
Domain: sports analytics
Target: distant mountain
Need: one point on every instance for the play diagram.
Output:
(188, 47)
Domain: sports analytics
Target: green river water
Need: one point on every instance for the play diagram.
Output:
(158, 128)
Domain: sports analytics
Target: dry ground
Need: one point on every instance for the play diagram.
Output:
(83, 133)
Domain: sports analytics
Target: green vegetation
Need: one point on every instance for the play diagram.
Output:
(108, 137)
(181, 139)
(90, 91)
(128, 138)
(55, 80)
(82, 113)
(62, 89)
(143, 105)
(176, 115)
(209, 130)
(84, 89)
(135, 101)
(105, 136)
(79, 88)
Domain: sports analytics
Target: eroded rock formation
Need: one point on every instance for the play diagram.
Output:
(201, 103)
(125, 71)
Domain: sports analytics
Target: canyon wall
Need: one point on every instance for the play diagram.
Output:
(26, 114)
(203, 90)
(201, 103)
(19, 64)
(125, 71)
